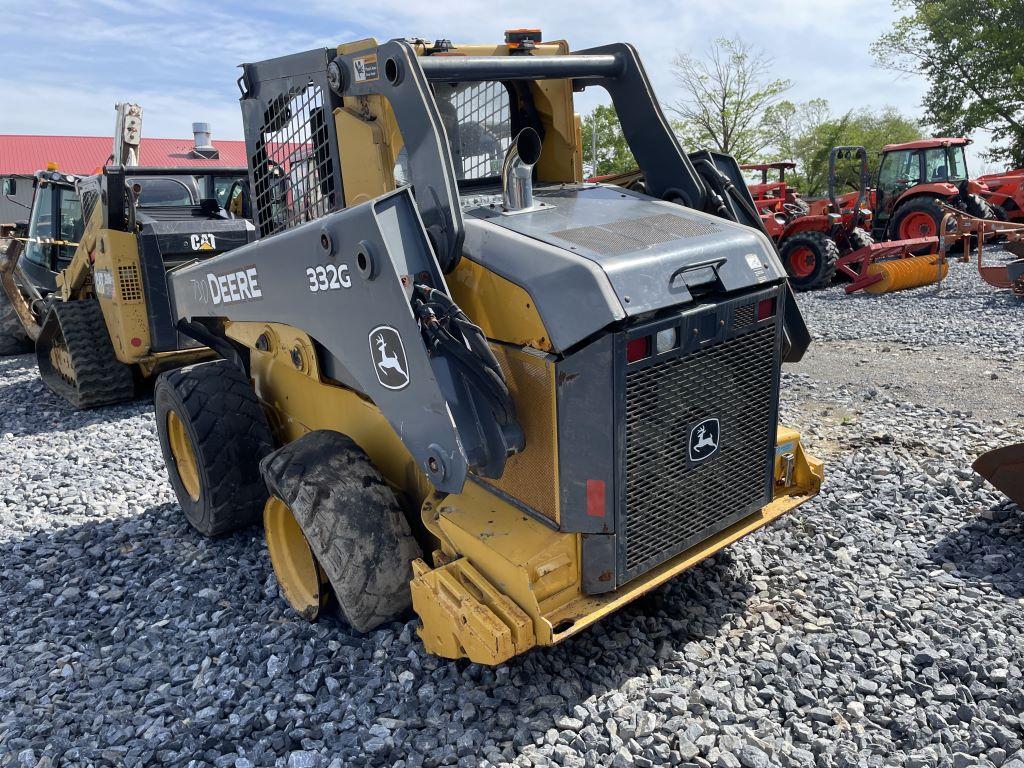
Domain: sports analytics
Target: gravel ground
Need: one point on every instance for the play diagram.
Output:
(881, 624)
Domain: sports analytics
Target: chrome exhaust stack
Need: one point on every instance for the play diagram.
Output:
(517, 171)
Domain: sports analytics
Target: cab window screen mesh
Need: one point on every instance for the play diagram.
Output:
(293, 175)
(476, 119)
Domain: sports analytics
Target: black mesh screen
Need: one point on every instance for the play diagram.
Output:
(293, 176)
(672, 503)
(477, 120)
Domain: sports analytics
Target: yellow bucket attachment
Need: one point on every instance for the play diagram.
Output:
(900, 274)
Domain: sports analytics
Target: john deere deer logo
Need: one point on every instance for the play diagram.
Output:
(704, 440)
(388, 355)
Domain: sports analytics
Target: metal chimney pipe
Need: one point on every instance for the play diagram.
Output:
(517, 170)
(201, 132)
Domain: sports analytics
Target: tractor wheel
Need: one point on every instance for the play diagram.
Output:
(213, 434)
(332, 519)
(76, 359)
(860, 238)
(917, 217)
(810, 260)
(979, 207)
(999, 212)
(13, 339)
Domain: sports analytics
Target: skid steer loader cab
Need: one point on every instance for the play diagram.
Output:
(511, 399)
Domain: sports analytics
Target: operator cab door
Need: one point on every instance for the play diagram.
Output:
(54, 229)
(898, 172)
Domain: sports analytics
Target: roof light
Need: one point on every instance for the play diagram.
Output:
(52, 166)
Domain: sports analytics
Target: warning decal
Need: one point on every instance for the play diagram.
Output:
(365, 68)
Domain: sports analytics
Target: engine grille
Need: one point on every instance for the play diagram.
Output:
(672, 503)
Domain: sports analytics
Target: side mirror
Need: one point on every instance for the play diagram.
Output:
(10, 186)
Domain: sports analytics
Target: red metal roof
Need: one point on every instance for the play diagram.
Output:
(927, 143)
(84, 154)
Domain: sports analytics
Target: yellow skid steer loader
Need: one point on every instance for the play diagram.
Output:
(458, 378)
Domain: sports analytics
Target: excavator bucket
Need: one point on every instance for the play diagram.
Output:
(1004, 468)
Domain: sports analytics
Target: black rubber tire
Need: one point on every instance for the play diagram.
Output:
(1000, 212)
(826, 254)
(229, 434)
(352, 521)
(859, 238)
(979, 207)
(100, 378)
(13, 339)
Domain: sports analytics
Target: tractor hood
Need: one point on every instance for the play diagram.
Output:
(617, 253)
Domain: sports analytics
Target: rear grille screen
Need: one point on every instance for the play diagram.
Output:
(670, 503)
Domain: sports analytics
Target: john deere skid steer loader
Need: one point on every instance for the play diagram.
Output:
(470, 382)
(85, 279)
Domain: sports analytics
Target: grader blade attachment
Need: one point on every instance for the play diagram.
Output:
(1004, 468)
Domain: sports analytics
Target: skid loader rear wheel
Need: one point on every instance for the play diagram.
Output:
(13, 339)
(355, 530)
(810, 259)
(76, 359)
(213, 433)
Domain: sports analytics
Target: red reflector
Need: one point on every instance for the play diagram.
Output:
(638, 349)
(595, 498)
(136, 341)
(765, 309)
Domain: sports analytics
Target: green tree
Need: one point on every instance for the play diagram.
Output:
(725, 97)
(970, 52)
(613, 154)
(805, 133)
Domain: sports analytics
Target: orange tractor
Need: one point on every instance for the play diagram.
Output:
(777, 195)
(1005, 193)
(819, 238)
(914, 180)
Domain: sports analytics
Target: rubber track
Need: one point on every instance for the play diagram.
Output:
(352, 521)
(13, 339)
(101, 379)
(229, 434)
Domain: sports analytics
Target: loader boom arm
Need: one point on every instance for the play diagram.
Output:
(346, 279)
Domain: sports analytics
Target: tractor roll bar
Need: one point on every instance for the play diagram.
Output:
(456, 69)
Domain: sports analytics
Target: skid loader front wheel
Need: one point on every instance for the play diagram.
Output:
(213, 433)
(324, 485)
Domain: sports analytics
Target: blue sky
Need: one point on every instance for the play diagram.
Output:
(64, 62)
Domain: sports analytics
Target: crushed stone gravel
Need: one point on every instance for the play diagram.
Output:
(881, 624)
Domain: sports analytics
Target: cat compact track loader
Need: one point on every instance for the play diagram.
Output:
(455, 376)
(84, 279)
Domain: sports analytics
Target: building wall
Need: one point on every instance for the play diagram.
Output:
(11, 211)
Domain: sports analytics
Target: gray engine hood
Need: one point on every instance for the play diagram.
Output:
(615, 253)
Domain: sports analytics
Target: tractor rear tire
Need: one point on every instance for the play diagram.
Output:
(213, 433)
(810, 260)
(13, 339)
(76, 359)
(352, 522)
(979, 207)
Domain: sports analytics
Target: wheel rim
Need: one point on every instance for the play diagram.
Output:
(302, 581)
(184, 457)
(802, 261)
(917, 224)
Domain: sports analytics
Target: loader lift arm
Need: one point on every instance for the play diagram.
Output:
(347, 280)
